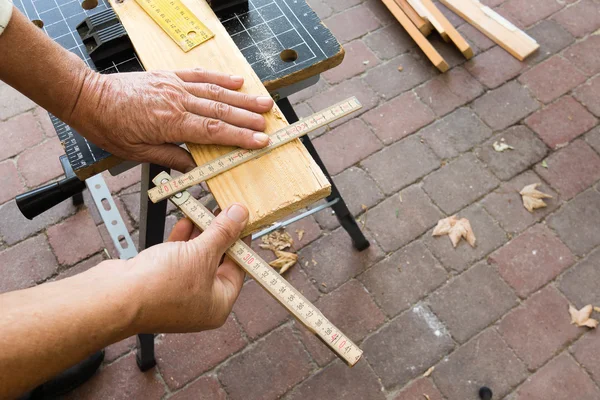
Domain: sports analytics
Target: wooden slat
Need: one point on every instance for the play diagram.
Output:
(417, 36)
(456, 37)
(272, 186)
(494, 26)
(423, 25)
(420, 8)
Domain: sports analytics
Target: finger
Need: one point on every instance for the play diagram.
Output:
(200, 75)
(259, 104)
(182, 231)
(232, 277)
(200, 130)
(226, 113)
(168, 155)
(224, 230)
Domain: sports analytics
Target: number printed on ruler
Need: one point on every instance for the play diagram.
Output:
(234, 158)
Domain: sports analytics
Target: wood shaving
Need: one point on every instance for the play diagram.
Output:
(456, 229)
(444, 225)
(427, 397)
(597, 309)
(428, 372)
(284, 260)
(400, 68)
(278, 240)
(532, 198)
(300, 233)
(545, 164)
(500, 147)
(314, 262)
(582, 317)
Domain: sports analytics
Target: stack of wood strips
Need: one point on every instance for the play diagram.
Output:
(421, 17)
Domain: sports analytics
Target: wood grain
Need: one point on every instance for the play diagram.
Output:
(494, 26)
(453, 34)
(422, 24)
(424, 12)
(272, 186)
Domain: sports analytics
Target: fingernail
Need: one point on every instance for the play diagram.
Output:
(237, 78)
(261, 137)
(264, 100)
(237, 213)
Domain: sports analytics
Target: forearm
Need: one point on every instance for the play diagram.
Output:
(48, 328)
(39, 68)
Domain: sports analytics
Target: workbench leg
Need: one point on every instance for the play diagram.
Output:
(340, 208)
(152, 229)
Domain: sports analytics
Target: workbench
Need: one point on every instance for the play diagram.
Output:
(262, 29)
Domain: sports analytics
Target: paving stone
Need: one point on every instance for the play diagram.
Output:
(399, 281)
(577, 222)
(25, 264)
(455, 133)
(358, 189)
(75, 238)
(484, 361)
(132, 205)
(352, 309)
(450, 90)
(18, 134)
(593, 138)
(39, 164)
(182, 357)
(352, 23)
(459, 183)
(494, 67)
(446, 50)
(257, 311)
(588, 95)
(398, 118)
(298, 279)
(585, 55)
(407, 346)
(454, 19)
(402, 218)
(489, 237)
(320, 7)
(572, 169)
(336, 260)
(502, 107)
(420, 387)
(305, 94)
(552, 78)
(401, 164)
(580, 18)
(551, 37)
(527, 12)
(205, 388)
(14, 103)
(346, 145)
(341, 5)
(476, 39)
(11, 217)
(585, 352)
(538, 329)
(528, 150)
(389, 82)
(505, 204)
(327, 218)
(81, 266)
(321, 353)
(389, 42)
(337, 381)
(122, 379)
(116, 350)
(532, 259)
(44, 121)
(10, 181)
(352, 87)
(357, 53)
(257, 373)
(116, 183)
(472, 301)
(307, 227)
(560, 379)
(380, 11)
(580, 282)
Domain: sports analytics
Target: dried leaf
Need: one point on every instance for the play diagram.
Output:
(462, 228)
(428, 372)
(500, 147)
(284, 260)
(532, 198)
(278, 240)
(582, 317)
(300, 233)
(444, 225)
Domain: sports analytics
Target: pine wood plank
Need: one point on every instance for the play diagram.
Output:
(424, 12)
(271, 186)
(422, 24)
(417, 36)
(494, 26)
(453, 34)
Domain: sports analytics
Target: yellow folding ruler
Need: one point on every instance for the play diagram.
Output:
(280, 289)
(178, 22)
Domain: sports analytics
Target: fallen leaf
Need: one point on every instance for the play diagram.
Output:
(300, 233)
(284, 260)
(582, 317)
(532, 198)
(500, 147)
(462, 229)
(444, 225)
(428, 372)
(545, 164)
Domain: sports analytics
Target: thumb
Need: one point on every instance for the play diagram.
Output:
(225, 229)
(168, 155)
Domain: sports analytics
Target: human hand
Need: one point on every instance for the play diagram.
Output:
(141, 115)
(185, 284)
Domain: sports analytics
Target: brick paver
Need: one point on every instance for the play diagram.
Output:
(419, 150)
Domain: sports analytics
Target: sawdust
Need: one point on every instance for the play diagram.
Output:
(277, 242)
(284, 260)
(300, 233)
(428, 372)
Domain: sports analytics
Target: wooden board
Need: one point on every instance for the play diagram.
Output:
(494, 26)
(417, 36)
(272, 186)
(453, 34)
(423, 25)
(424, 12)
